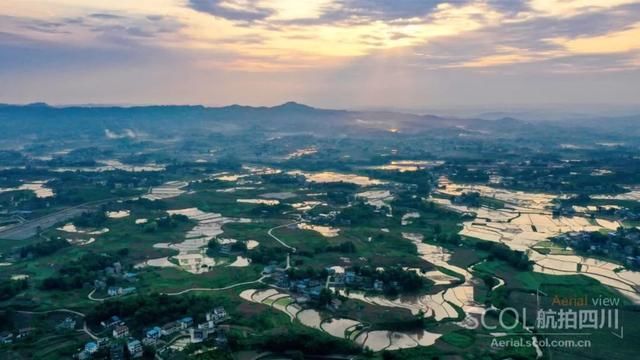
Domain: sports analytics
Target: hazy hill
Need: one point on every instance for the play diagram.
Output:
(37, 120)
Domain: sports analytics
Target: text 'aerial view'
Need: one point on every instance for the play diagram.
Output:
(320, 179)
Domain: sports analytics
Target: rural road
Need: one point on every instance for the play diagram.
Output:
(270, 232)
(217, 289)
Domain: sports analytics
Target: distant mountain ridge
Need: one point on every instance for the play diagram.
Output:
(290, 117)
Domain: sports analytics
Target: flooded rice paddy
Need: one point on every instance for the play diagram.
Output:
(349, 329)
(526, 220)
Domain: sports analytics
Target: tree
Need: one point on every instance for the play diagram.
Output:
(325, 297)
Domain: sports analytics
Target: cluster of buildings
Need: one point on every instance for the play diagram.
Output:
(8, 337)
(116, 345)
(116, 271)
(197, 332)
(323, 218)
(306, 289)
(563, 210)
(622, 245)
(121, 339)
(614, 211)
(352, 279)
(119, 290)
(309, 289)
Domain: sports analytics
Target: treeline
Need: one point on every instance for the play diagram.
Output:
(446, 239)
(470, 199)
(283, 179)
(153, 309)
(93, 219)
(407, 199)
(570, 179)
(295, 273)
(147, 204)
(303, 340)
(396, 280)
(462, 174)
(515, 258)
(265, 255)
(44, 248)
(345, 247)
(11, 288)
(415, 324)
(213, 247)
(338, 193)
(166, 223)
(270, 210)
(358, 214)
(75, 274)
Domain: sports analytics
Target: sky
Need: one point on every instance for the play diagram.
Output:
(401, 54)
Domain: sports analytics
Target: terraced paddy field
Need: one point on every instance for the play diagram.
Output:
(527, 222)
(344, 328)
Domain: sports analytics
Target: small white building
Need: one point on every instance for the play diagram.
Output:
(135, 348)
(120, 331)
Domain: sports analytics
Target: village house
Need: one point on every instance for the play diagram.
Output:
(67, 324)
(378, 285)
(6, 337)
(91, 347)
(154, 333)
(185, 322)
(149, 341)
(24, 332)
(135, 348)
(127, 291)
(120, 331)
(112, 321)
(170, 328)
(198, 335)
(99, 284)
(114, 291)
(217, 315)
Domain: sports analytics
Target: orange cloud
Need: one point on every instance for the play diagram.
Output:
(614, 42)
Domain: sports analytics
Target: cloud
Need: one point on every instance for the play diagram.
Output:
(257, 40)
(548, 40)
(242, 10)
(392, 10)
(106, 16)
(614, 42)
(569, 8)
(319, 12)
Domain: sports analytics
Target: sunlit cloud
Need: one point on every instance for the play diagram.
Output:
(568, 8)
(614, 42)
(317, 38)
(208, 24)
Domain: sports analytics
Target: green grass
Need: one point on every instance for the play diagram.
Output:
(461, 339)
(49, 347)
(173, 280)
